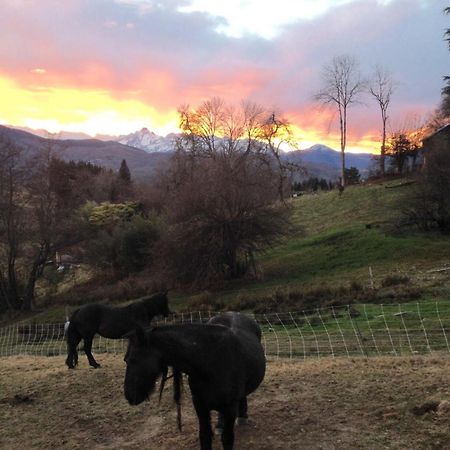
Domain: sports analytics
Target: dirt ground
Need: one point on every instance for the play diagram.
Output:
(381, 403)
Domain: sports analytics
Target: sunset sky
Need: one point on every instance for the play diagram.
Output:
(115, 66)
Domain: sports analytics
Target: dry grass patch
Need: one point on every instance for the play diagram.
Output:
(324, 404)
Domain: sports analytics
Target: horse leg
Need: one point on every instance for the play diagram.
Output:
(219, 424)
(229, 416)
(204, 420)
(242, 418)
(73, 339)
(88, 351)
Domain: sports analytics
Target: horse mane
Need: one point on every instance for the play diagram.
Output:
(152, 304)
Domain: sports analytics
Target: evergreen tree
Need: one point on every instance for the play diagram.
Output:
(352, 175)
(399, 149)
(124, 172)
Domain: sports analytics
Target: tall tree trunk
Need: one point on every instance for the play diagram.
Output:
(383, 150)
(343, 126)
(36, 270)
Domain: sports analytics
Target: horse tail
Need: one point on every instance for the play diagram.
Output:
(177, 387)
(73, 338)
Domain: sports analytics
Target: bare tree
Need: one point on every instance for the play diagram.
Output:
(341, 86)
(219, 130)
(381, 88)
(11, 223)
(33, 224)
(224, 192)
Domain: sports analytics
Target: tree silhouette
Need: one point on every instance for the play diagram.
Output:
(445, 105)
(124, 172)
(381, 88)
(341, 85)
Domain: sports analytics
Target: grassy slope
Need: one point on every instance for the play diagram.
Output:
(336, 248)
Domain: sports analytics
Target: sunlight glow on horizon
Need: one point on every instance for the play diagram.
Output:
(95, 112)
(87, 111)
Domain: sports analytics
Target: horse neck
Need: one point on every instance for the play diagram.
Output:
(151, 305)
(182, 347)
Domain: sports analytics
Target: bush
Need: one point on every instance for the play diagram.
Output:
(125, 247)
(204, 302)
(395, 280)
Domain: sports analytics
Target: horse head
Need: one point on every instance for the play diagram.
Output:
(144, 366)
(157, 305)
(165, 304)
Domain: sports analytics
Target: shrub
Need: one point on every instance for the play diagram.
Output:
(395, 280)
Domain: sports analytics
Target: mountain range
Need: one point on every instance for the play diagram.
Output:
(146, 152)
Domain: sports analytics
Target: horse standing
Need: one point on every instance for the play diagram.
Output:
(109, 322)
(224, 361)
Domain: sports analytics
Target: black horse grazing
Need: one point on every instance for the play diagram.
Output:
(224, 361)
(110, 322)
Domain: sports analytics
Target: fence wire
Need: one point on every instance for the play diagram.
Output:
(344, 331)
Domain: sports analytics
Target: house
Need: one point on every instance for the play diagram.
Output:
(439, 140)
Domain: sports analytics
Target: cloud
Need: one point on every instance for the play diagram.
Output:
(164, 54)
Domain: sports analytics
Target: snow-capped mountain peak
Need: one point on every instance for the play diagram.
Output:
(147, 140)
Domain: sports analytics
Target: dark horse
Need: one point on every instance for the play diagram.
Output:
(224, 361)
(110, 322)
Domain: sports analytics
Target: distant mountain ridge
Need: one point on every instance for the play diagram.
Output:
(148, 141)
(146, 152)
(320, 158)
(108, 154)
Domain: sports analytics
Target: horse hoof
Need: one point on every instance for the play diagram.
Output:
(242, 421)
(218, 431)
(96, 366)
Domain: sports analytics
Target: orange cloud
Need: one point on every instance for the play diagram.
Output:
(99, 111)
(88, 111)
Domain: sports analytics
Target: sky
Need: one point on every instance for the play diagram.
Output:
(115, 66)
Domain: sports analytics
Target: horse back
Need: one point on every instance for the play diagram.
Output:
(109, 322)
(246, 351)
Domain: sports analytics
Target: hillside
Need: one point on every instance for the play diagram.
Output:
(338, 241)
(339, 237)
(146, 152)
(324, 162)
(108, 154)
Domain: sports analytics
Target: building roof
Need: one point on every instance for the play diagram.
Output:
(444, 129)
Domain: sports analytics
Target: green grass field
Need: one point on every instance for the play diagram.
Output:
(340, 237)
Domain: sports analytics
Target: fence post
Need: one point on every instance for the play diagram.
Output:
(370, 329)
(301, 335)
(423, 328)
(388, 331)
(406, 329)
(340, 331)
(271, 327)
(442, 327)
(287, 334)
(314, 334)
(326, 331)
(357, 333)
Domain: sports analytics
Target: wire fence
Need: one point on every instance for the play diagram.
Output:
(349, 331)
